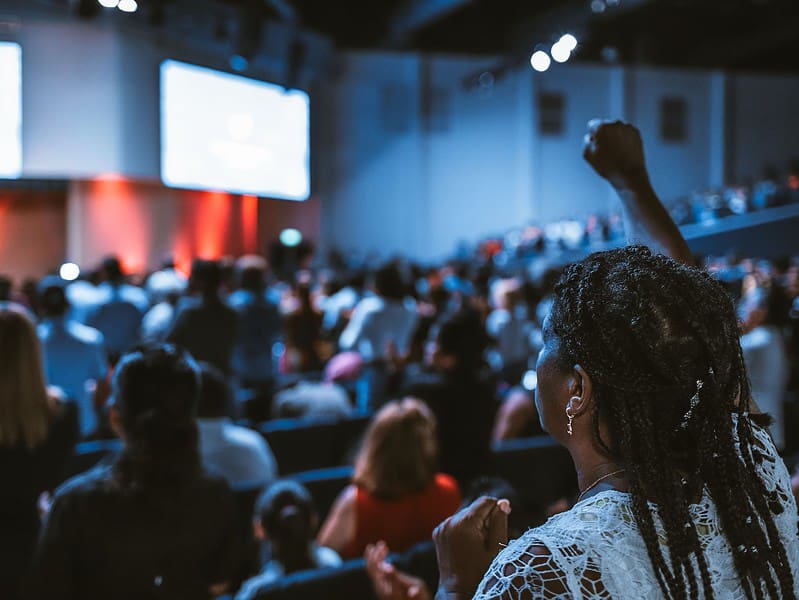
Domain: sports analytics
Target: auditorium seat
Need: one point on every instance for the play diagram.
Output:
(246, 494)
(351, 580)
(307, 444)
(87, 454)
(539, 468)
(324, 485)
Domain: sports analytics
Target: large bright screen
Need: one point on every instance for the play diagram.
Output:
(10, 110)
(225, 132)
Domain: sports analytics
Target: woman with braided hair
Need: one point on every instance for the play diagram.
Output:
(642, 379)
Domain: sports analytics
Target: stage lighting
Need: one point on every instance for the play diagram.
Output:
(540, 61)
(69, 271)
(598, 6)
(290, 237)
(569, 41)
(560, 52)
(128, 6)
(108, 3)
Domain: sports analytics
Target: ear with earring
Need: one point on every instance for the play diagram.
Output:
(570, 416)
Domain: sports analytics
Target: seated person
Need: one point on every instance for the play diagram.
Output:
(396, 495)
(285, 518)
(238, 454)
(151, 525)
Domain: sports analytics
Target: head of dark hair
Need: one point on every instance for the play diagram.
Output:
(155, 391)
(53, 300)
(216, 395)
(112, 269)
(5, 288)
(463, 336)
(388, 282)
(206, 276)
(285, 511)
(646, 329)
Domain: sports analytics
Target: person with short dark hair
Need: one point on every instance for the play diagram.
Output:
(117, 310)
(238, 454)
(152, 524)
(74, 354)
(460, 392)
(285, 518)
(205, 325)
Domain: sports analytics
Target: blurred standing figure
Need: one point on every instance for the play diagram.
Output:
(259, 323)
(303, 334)
(37, 433)
(205, 325)
(119, 310)
(73, 353)
(380, 321)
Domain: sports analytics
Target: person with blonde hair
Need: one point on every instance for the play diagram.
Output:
(397, 495)
(37, 432)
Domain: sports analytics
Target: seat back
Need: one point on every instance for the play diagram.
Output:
(539, 468)
(325, 485)
(307, 444)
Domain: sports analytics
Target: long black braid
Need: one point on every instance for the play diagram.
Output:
(648, 330)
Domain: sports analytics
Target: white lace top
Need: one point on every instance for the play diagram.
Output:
(594, 551)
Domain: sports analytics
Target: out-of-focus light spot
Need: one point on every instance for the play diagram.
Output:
(613, 2)
(569, 41)
(486, 79)
(540, 61)
(530, 380)
(610, 54)
(598, 6)
(69, 271)
(108, 3)
(238, 63)
(290, 237)
(560, 52)
(128, 6)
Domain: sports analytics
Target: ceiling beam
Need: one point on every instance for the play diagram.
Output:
(418, 14)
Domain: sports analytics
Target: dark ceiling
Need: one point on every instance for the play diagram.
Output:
(732, 34)
(760, 35)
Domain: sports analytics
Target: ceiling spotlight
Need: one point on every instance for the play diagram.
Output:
(569, 41)
(540, 61)
(560, 52)
(128, 6)
(598, 6)
(69, 271)
(108, 3)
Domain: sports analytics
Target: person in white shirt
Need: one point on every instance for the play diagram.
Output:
(74, 354)
(765, 357)
(383, 321)
(236, 453)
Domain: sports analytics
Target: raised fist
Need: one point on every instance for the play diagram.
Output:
(615, 151)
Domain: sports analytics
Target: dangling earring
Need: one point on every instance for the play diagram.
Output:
(570, 416)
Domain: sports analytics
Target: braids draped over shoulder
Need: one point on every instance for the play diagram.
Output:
(647, 329)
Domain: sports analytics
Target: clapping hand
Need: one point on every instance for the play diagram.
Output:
(388, 582)
(468, 542)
